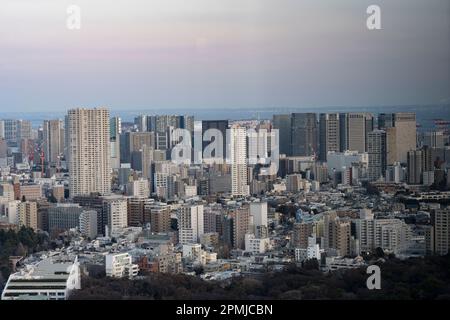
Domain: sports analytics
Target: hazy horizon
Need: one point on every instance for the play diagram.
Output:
(224, 54)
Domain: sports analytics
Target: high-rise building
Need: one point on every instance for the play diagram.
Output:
(406, 134)
(441, 226)
(376, 148)
(354, 128)
(2, 129)
(238, 158)
(139, 188)
(89, 151)
(141, 123)
(27, 213)
(329, 134)
(24, 130)
(415, 166)
(304, 134)
(301, 232)
(258, 219)
(221, 126)
(282, 122)
(115, 128)
(10, 128)
(190, 223)
(138, 213)
(88, 223)
(385, 121)
(159, 217)
(116, 210)
(434, 139)
(53, 140)
(391, 235)
(237, 227)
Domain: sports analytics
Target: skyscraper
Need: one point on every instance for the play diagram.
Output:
(53, 140)
(88, 136)
(406, 132)
(282, 122)
(376, 148)
(415, 167)
(221, 126)
(114, 138)
(238, 158)
(329, 134)
(354, 132)
(304, 134)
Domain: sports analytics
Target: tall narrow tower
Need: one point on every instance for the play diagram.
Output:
(88, 133)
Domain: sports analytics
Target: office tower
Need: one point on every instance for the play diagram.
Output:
(369, 124)
(10, 127)
(27, 214)
(427, 159)
(385, 121)
(238, 158)
(53, 140)
(63, 217)
(329, 134)
(116, 210)
(141, 123)
(190, 223)
(406, 134)
(115, 129)
(138, 213)
(415, 167)
(282, 122)
(391, 146)
(304, 134)
(88, 223)
(23, 130)
(89, 152)
(376, 148)
(2, 129)
(441, 228)
(434, 139)
(221, 126)
(159, 217)
(3, 149)
(187, 122)
(354, 131)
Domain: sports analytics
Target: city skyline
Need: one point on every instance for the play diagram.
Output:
(257, 54)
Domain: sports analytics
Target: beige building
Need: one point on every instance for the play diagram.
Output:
(31, 191)
(88, 132)
(28, 214)
(53, 140)
(406, 132)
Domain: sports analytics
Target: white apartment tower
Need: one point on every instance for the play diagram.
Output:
(238, 158)
(88, 132)
(190, 224)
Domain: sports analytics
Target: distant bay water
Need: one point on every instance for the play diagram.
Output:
(426, 115)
